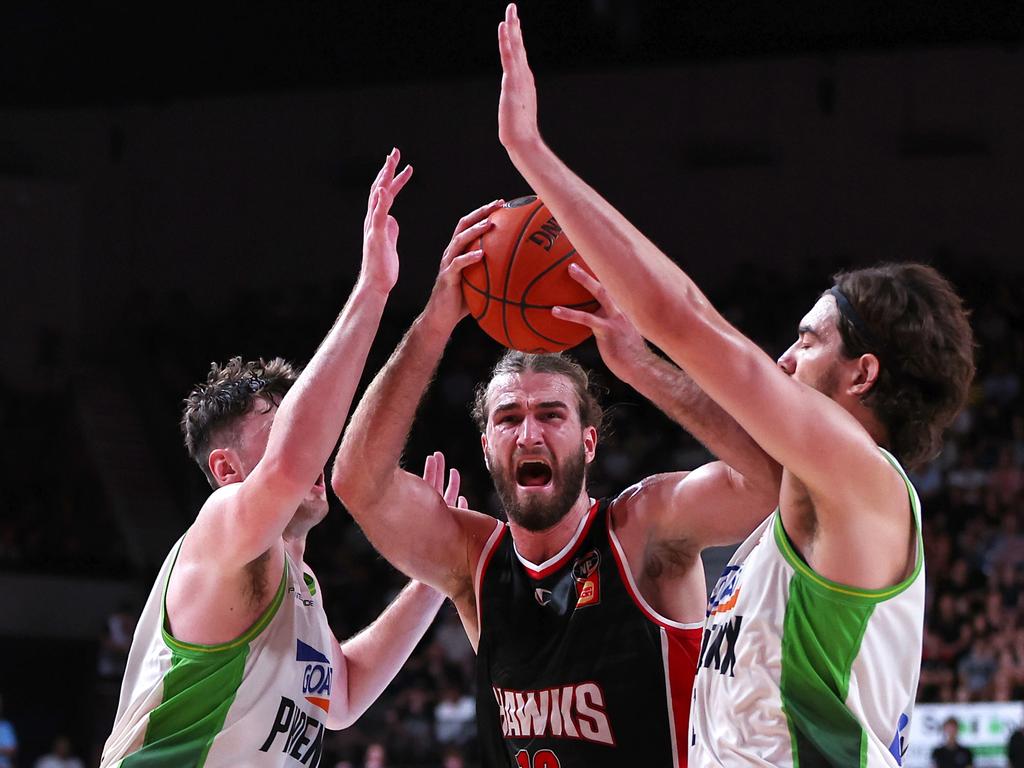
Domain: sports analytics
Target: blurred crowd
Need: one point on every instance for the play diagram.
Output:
(972, 493)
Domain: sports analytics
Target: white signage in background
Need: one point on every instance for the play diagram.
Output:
(985, 729)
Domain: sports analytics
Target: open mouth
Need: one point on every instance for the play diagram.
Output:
(533, 473)
(320, 485)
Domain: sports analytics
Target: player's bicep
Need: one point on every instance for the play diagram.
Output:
(410, 524)
(241, 521)
(711, 506)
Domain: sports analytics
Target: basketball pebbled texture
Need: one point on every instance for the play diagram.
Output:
(523, 274)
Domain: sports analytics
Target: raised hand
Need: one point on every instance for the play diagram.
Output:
(380, 230)
(446, 300)
(618, 340)
(433, 473)
(517, 106)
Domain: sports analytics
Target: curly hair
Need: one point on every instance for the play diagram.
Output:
(514, 361)
(923, 340)
(230, 391)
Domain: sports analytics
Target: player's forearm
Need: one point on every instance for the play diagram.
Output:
(678, 397)
(312, 415)
(374, 440)
(374, 656)
(642, 280)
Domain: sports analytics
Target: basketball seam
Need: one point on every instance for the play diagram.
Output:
(526, 305)
(523, 306)
(508, 271)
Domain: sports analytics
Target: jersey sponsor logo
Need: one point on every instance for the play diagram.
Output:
(570, 712)
(587, 576)
(301, 735)
(308, 602)
(726, 592)
(718, 646)
(899, 745)
(316, 676)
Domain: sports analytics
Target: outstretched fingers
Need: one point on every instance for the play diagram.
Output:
(451, 493)
(589, 319)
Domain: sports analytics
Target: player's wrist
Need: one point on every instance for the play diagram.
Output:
(371, 289)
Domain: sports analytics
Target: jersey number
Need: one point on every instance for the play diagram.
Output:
(543, 758)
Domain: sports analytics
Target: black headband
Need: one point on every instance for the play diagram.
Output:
(846, 309)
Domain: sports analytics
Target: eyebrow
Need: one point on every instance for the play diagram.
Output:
(516, 405)
(552, 404)
(807, 329)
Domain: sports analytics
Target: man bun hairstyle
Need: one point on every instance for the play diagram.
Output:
(913, 320)
(514, 361)
(213, 409)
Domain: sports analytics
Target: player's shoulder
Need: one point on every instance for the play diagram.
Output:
(477, 526)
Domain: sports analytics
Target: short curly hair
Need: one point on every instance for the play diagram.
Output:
(920, 332)
(514, 361)
(230, 391)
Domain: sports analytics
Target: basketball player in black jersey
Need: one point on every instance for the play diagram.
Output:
(585, 615)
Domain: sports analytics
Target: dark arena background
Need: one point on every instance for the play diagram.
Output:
(180, 184)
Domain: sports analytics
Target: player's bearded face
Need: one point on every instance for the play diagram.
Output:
(538, 510)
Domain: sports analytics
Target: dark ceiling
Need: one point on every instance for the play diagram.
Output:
(57, 54)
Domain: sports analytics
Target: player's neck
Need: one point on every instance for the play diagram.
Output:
(295, 547)
(540, 546)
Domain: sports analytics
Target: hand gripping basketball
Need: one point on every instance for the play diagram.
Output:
(446, 301)
(618, 340)
(523, 274)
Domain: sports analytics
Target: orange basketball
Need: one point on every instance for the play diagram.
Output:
(523, 274)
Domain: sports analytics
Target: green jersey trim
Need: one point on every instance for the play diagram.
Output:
(198, 691)
(821, 637)
(855, 594)
(183, 648)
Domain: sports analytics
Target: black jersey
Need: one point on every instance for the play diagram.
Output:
(574, 669)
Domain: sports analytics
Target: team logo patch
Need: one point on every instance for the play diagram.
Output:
(587, 576)
(316, 678)
(542, 596)
(726, 592)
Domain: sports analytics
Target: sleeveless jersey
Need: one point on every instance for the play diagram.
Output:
(798, 670)
(259, 700)
(574, 668)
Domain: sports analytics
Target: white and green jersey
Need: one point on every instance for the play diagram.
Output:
(259, 700)
(797, 671)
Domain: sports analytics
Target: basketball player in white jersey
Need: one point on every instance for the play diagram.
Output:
(812, 644)
(233, 662)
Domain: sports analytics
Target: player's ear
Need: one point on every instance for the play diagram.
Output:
(589, 443)
(865, 375)
(225, 466)
(483, 446)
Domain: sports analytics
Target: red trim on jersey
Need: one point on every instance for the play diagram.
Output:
(683, 647)
(627, 582)
(569, 552)
(487, 554)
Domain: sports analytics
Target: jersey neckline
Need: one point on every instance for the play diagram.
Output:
(553, 563)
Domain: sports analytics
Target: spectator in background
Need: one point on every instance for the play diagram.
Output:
(951, 754)
(1015, 749)
(60, 755)
(115, 643)
(376, 756)
(455, 715)
(453, 758)
(8, 740)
